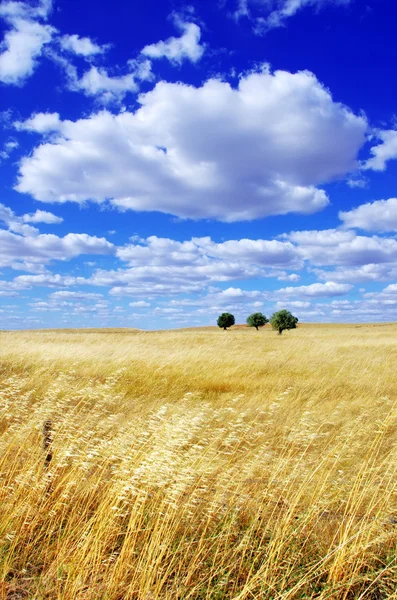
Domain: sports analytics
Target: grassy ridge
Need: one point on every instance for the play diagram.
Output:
(199, 464)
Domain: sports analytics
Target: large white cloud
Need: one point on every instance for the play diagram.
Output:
(207, 152)
(373, 216)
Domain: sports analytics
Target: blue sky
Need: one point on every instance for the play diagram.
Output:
(163, 162)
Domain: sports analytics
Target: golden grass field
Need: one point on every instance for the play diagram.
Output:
(199, 464)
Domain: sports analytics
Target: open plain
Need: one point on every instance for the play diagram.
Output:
(199, 464)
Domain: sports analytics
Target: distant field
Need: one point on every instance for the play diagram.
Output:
(199, 464)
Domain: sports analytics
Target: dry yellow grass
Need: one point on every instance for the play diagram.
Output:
(199, 464)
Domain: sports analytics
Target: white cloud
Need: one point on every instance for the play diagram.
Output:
(373, 216)
(97, 81)
(8, 148)
(361, 274)
(357, 181)
(208, 152)
(82, 46)
(216, 300)
(383, 152)
(293, 304)
(42, 216)
(269, 14)
(139, 304)
(19, 225)
(40, 123)
(204, 252)
(107, 88)
(177, 49)
(291, 277)
(46, 280)
(322, 238)
(264, 253)
(17, 250)
(390, 289)
(21, 48)
(288, 8)
(23, 43)
(15, 223)
(14, 9)
(345, 248)
(242, 9)
(66, 295)
(160, 266)
(317, 290)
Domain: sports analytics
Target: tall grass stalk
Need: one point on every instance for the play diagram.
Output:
(199, 464)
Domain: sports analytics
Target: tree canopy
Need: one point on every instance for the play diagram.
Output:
(225, 320)
(282, 320)
(257, 320)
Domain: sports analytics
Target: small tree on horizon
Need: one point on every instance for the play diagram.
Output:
(257, 320)
(282, 320)
(225, 320)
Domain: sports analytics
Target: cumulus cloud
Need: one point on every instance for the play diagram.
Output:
(46, 279)
(27, 10)
(99, 83)
(82, 46)
(160, 266)
(17, 251)
(390, 289)
(209, 152)
(345, 248)
(373, 216)
(383, 152)
(204, 252)
(42, 216)
(177, 49)
(29, 37)
(139, 304)
(15, 223)
(324, 237)
(168, 265)
(370, 272)
(24, 41)
(290, 277)
(40, 123)
(317, 290)
(66, 295)
(293, 304)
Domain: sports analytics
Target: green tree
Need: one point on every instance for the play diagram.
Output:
(257, 320)
(283, 319)
(225, 320)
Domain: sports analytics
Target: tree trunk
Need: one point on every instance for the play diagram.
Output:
(256, 327)
(280, 330)
(224, 329)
